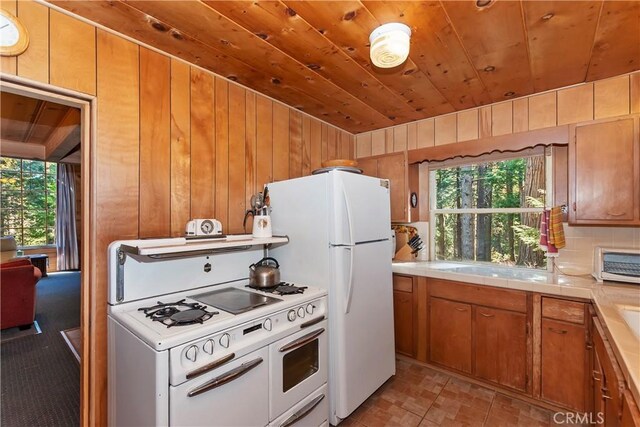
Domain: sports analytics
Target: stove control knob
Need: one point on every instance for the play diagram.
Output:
(291, 315)
(310, 309)
(192, 353)
(224, 340)
(208, 346)
(301, 312)
(267, 325)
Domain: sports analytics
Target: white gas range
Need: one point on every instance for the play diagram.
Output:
(191, 344)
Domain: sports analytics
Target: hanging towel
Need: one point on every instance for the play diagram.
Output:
(545, 243)
(556, 232)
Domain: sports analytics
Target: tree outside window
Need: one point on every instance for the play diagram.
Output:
(28, 201)
(490, 211)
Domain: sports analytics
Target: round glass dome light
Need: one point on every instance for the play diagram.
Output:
(390, 45)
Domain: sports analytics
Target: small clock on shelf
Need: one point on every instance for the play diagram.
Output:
(14, 38)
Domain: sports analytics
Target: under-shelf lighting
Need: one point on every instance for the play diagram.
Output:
(390, 45)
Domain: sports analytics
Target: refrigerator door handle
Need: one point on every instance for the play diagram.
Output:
(347, 303)
(348, 211)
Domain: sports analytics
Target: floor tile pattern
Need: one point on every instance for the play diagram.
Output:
(418, 396)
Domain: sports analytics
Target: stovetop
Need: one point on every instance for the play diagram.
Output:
(195, 312)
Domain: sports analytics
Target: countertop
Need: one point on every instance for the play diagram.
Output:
(607, 298)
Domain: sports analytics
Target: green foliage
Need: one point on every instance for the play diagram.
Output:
(28, 200)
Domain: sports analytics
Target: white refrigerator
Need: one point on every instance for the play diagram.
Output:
(339, 231)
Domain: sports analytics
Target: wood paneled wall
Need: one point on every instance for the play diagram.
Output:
(173, 142)
(601, 99)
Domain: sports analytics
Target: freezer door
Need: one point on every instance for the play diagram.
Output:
(361, 344)
(360, 208)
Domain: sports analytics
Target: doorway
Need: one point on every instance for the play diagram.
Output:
(61, 134)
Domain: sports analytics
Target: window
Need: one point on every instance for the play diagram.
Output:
(489, 211)
(28, 197)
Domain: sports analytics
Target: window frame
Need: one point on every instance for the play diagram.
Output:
(433, 211)
(22, 228)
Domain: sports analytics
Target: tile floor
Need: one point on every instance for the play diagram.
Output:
(421, 396)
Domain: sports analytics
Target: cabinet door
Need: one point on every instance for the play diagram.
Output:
(369, 166)
(393, 168)
(604, 171)
(564, 361)
(450, 334)
(403, 314)
(630, 412)
(597, 383)
(612, 384)
(501, 346)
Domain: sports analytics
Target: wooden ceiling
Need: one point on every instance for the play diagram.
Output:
(37, 129)
(314, 55)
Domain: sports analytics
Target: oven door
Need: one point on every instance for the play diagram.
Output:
(299, 367)
(312, 411)
(235, 394)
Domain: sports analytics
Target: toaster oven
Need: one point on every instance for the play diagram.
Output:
(617, 264)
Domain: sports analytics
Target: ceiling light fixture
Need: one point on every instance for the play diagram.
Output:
(390, 45)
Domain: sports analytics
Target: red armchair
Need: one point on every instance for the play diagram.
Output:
(18, 280)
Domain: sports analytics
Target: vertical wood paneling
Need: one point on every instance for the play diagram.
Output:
(412, 136)
(316, 145)
(575, 104)
(203, 149)
(295, 144)
(634, 90)
(324, 138)
(445, 132)
(222, 151)
(180, 147)
(521, 115)
(9, 64)
(73, 64)
(484, 122)
(306, 145)
(388, 140)
(467, 125)
(237, 129)
(116, 181)
(542, 111)
(363, 145)
(426, 133)
(377, 142)
(332, 143)
(264, 168)
(280, 142)
(346, 141)
(400, 138)
(34, 62)
(611, 97)
(502, 118)
(155, 144)
(250, 150)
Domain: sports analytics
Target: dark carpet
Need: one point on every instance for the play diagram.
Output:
(40, 375)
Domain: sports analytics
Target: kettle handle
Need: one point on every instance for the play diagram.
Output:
(268, 259)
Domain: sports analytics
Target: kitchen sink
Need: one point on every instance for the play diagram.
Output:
(631, 315)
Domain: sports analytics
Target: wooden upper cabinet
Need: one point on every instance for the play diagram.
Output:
(501, 347)
(450, 334)
(604, 173)
(394, 168)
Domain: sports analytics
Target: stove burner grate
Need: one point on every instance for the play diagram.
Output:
(170, 314)
(281, 288)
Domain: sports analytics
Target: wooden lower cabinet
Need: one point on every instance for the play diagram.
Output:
(404, 314)
(450, 334)
(564, 364)
(501, 347)
(630, 413)
(610, 380)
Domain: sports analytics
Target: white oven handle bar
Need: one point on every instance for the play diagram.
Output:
(303, 412)
(302, 341)
(225, 378)
(211, 366)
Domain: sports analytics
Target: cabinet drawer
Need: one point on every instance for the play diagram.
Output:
(480, 295)
(568, 311)
(402, 283)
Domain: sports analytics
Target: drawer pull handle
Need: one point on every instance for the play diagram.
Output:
(486, 315)
(605, 395)
(616, 214)
(558, 331)
(595, 376)
(461, 309)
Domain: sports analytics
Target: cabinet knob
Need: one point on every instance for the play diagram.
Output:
(557, 331)
(486, 315)
(461, 309)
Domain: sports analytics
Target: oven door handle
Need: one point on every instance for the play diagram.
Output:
(303, 412)
(211, 366)
(301, 341)
(225, 378)
(311, 322)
